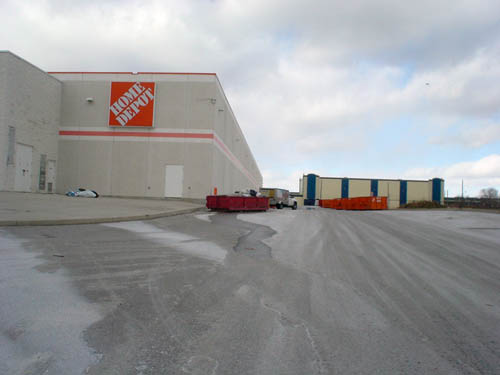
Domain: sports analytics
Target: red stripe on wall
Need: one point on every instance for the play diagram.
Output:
(160, 135)
(134, 134)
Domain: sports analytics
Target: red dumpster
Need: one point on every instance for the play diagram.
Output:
(212, 201)
(237, 203)
(357, 203)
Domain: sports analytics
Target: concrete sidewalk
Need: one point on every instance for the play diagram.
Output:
(55, 209)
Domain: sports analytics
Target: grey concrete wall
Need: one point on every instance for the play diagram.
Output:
(227, 127)
(135, 166)
(227, 177)
(3, 124)
(132, 168)
(30, 101)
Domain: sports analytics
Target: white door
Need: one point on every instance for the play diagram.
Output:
(51, 176)
(24, 155)
(174, 180)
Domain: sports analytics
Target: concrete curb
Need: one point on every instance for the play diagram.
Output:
(11, 223)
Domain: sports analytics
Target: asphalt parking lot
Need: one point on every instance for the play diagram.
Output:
(285, 292)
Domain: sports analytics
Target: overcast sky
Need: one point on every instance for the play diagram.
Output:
(377, 89)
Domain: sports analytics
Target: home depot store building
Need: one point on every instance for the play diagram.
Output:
(121, 134)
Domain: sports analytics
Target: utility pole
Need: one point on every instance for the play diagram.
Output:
(462, 189)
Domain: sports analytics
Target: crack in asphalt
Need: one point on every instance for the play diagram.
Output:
(287, 321)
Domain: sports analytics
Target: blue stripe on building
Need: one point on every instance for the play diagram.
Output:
(436, 189)
(311, 190)
(345, 188)
(374, 188)
(403, 192)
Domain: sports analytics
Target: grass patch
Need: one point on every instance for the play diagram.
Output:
(424, 204)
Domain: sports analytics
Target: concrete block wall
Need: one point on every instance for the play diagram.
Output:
(4, 128)
(52, 117)
(227, 128)
(30, 101)
(135, 166)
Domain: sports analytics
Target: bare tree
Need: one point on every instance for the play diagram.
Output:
(489, 193)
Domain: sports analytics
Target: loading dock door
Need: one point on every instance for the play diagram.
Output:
(24, 155)
(174, 180)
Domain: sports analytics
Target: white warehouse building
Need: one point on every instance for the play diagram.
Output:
(121, 134)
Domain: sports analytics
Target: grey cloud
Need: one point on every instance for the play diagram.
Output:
(221, 33)
(390, 32)
(470, 136)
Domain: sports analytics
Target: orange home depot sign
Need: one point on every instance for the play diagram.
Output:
(132, 104)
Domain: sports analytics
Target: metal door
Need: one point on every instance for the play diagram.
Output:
(24, 155)
(51, 176)
(174, 181)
